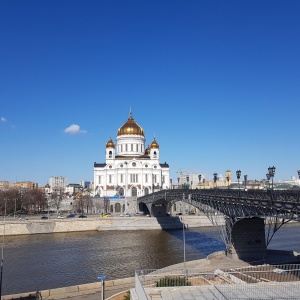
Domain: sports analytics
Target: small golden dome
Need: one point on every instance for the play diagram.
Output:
(130, 127)
(147, 151)
(154, 144)
(110, 144)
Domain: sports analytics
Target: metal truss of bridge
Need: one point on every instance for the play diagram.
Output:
(241, 216)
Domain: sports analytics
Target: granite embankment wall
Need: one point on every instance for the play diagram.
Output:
(20, 227)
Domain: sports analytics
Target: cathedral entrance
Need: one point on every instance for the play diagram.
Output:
(134, 191)
(118, 208)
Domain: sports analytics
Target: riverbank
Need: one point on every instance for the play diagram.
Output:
(116, 289)
(23, 227)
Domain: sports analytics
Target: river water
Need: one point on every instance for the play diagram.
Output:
(45, 261)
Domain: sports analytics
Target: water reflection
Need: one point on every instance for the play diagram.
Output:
(37, 262)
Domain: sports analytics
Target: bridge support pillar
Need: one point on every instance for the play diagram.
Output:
(248, 240)
(158, 210)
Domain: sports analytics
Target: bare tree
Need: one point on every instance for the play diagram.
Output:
(56, 199)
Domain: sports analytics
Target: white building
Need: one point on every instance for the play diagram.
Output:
(58, 182)
(130, 169)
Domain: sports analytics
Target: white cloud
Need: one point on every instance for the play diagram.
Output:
(74, 129)
(3, 120)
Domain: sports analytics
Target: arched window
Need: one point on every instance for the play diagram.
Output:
(134, 191)
(154, 154)
(146, 191)
(121, 192)
(110, 154)
(118, 208)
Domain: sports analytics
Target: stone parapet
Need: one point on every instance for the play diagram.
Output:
(112, 286)
(21, 227)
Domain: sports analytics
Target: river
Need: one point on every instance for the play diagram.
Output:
(45, 261)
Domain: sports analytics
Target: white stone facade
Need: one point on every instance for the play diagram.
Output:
(130, 168)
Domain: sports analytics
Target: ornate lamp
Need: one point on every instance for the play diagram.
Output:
(238, 176)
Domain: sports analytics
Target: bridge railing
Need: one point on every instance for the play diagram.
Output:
(285, 196)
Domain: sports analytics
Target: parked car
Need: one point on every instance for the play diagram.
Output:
(70, 215)
(82, 216)
(44, 217)
(106, 215)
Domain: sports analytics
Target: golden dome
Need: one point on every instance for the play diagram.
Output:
(130, 127)
(110, 144)
(154, 144)
(147, 151)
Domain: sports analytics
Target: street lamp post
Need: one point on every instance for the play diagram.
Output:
(227, 178)
(215, 179)
(183, 233)
(271, 171)
(199, 179)
(171, 182)
(268, 178)
(187, 181)
(178, 182)
(102, 277)
(238, 176)
(245, 181)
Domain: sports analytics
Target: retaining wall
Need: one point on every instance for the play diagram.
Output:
(112, 286)
(20, 227)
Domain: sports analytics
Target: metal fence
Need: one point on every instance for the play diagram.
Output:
(253, 282)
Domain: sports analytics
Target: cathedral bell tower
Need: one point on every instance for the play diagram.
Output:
(154, 150)
(110, 150)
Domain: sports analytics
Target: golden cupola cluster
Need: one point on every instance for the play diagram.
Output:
(110, 144)
(154, 145)
(130, 127)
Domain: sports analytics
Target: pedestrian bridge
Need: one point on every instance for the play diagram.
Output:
(247, 219)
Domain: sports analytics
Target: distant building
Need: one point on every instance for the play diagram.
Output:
(85, 184)
(4, 185)
(73, 188)
(24, 185)
(58, 182)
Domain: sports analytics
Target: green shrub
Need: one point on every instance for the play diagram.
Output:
(127, 296)
(173, 281)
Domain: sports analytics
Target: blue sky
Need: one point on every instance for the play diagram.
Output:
(216, 82)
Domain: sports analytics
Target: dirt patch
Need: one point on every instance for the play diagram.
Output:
(119, 296)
